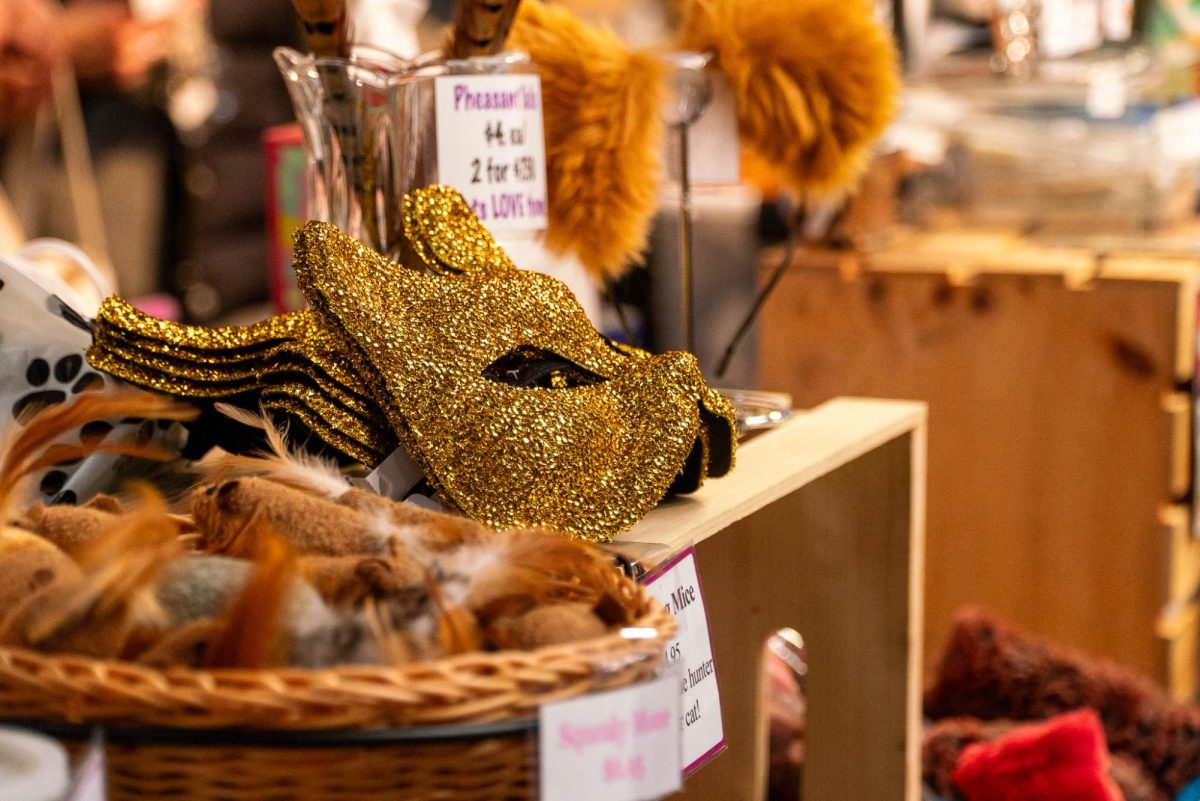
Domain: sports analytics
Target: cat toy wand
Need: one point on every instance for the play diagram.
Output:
(691, 92)
(327, 36)
(481, 27)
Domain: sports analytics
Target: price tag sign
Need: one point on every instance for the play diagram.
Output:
(677, 586)
(491, 147)
(621, 745)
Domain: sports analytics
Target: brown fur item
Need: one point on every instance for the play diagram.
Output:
(28, 563)
(434, 531)
(348, 581)
(312, 525)
(111, 604)
(816, 82)
(71, 527)
(556, 624)
(359, 523)
(991, 671)
(603, 136)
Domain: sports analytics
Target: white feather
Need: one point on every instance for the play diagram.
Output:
(473, 562)
(240, 415)
(295, 468)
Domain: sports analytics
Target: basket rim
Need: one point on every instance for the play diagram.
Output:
(473, 688)
(168, 736)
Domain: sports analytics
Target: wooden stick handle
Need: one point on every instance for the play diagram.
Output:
(326, 30)
(481, 27)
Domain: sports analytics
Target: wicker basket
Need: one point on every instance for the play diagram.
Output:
(454, 729)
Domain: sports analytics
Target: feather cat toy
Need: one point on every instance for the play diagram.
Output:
(521, 588)
(29, 562)
(481, 27)
(285, 564)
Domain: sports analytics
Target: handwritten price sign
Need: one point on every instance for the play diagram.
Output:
(621, 745)
(677, 586)
(491, 147)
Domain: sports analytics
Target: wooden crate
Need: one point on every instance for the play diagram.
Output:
(1060, 454)
(819, 528)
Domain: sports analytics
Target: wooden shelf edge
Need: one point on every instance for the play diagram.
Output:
(779, 462)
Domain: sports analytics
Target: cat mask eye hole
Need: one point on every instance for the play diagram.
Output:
(528, 366)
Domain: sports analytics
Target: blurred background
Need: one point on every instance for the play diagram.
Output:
(1046, 116)
(1023, 253)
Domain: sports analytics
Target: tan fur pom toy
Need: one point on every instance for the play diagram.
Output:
(815, 81)
(603, 136)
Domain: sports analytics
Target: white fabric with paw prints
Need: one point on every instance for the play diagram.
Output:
(42, 344)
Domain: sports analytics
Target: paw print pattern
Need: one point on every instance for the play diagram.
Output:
(69, 379)
(51, 384)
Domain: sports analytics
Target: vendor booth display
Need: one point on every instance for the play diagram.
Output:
(367, 548)
(1061, 380)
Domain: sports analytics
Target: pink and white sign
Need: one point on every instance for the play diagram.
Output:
(620, 745)
(677, 585)
(492, 149)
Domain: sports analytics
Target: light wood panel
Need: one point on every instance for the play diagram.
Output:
(1057, 431)
(818, 528)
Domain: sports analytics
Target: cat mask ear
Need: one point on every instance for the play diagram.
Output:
(447, 237)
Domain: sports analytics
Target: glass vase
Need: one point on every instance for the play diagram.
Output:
(359, 137)
(369, 129)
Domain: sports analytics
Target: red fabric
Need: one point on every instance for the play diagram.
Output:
(1063, 759)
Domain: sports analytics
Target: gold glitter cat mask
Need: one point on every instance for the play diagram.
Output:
(492, 378)
(292, 366)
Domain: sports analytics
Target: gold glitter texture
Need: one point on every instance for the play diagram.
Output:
(447, 237)
(290, 364)
(587, 459)
(431, 353)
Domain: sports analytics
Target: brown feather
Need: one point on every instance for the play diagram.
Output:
(395, 648)
(279, 463)
(481, 27)
(32, 446)
(457, 629)
(535, 567)
(250, 637)
(61, 453)
(326, 30)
